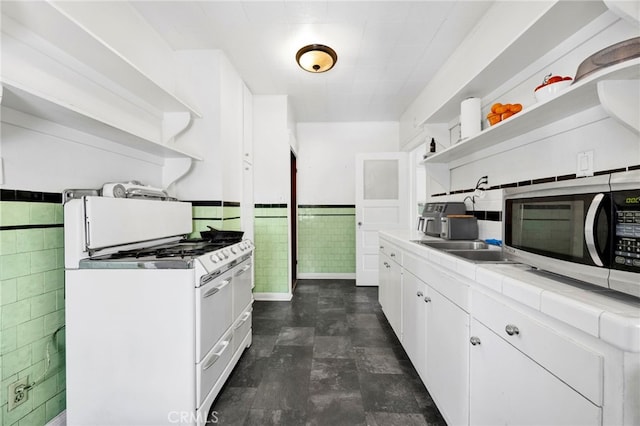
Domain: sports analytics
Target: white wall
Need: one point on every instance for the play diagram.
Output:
(326, 157)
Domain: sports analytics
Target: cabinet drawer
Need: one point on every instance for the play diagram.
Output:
(391, 250)
(241, 328)
(212, 366)
(452, 287)
(574, 364)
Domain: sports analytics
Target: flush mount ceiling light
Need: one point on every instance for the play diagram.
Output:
(316, 58)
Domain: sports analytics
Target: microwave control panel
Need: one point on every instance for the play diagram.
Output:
(627, 239)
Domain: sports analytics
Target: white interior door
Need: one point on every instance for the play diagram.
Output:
(382, 195)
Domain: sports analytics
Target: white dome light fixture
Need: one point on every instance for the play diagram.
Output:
(316, 58)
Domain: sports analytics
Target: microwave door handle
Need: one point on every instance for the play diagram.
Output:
(589, 229)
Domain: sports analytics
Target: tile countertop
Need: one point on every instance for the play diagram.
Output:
(606, 314)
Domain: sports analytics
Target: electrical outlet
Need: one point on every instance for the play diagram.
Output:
(18, 393)
(585, 164)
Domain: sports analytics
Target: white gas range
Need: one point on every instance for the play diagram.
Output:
(155, 322)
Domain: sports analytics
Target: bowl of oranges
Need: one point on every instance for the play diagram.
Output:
(500, 112)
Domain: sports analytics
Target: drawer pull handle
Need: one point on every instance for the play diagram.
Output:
(393, 255)
(216, 289)
(474, 340)
(427, 299)
(511, 329)
(419, 294)
(216, 355)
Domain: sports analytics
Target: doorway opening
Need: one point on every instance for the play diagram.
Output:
(294, 223)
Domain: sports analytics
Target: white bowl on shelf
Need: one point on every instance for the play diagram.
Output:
(552, 90)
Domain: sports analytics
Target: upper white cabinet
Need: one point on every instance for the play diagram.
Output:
(62, 65)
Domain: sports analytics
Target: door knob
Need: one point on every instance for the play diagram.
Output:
(474, 340)
(359, 223)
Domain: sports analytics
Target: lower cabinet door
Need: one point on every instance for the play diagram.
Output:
(509, 388)
(448, 357)
(383, 278)
(414, 321)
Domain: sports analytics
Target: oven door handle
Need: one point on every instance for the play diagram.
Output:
(244, 319)
(243, 270)
(207, 278)
(589, 229)
(216, 355)
(214, 290)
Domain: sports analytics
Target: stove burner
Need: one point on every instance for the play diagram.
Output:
(185, 248)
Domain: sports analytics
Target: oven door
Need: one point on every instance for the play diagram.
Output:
(213, 311)
(242, 286)
(561, 231)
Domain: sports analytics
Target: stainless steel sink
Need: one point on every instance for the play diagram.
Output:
(455, 245)
(481, 256)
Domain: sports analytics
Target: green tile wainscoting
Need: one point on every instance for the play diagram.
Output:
(271, 233)
(32, 305)
(326, 241)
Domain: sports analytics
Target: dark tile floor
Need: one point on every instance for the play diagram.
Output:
(328, 357)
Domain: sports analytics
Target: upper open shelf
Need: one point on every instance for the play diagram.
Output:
(56, 69)
(580, 96)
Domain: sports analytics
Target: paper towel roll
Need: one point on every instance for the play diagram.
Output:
(470, 117)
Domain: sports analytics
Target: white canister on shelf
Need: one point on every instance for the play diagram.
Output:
(470, 117)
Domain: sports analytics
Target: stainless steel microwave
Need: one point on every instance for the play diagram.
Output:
(587, 229)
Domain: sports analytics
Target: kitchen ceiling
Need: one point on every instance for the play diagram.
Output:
(387, 50)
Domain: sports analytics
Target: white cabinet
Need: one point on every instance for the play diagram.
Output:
(414, 321)
(524, 372)
(448, 357)
(390, 285)
(507, 387)
(435, 337)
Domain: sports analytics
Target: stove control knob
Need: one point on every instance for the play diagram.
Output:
(225, 252)
(214, 258)
(221, 256)
(233, 250)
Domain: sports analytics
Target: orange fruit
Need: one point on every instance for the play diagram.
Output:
(515, 108)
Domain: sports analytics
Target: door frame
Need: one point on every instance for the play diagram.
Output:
(294, 220)
(366, 250)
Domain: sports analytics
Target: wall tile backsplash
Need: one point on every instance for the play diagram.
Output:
(326, 239)
(32, 305)
(271, 229)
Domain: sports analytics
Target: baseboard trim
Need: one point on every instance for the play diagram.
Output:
(327, 276)
(273, 297)
(59, 420)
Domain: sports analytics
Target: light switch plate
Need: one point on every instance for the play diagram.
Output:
(585, 164)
